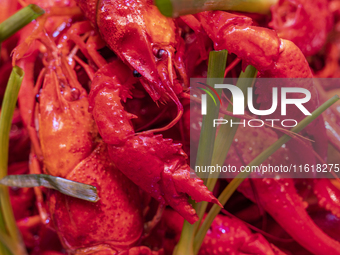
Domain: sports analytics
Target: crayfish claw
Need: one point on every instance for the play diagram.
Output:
(159, 167)
(193, 186)
(177, 200)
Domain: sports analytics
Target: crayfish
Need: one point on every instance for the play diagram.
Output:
(105, 102)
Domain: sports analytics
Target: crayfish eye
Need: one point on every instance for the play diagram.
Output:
(161, 53)
(136, 74)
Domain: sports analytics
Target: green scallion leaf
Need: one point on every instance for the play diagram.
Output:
(176, 8)
(216, 68)
(65, 186)
(10, 247)
(8, 223)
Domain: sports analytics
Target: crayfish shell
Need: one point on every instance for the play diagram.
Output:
(114, 222)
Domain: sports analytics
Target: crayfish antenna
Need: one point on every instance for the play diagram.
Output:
(172, 123)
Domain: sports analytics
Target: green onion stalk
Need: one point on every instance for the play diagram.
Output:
(10, 237)
(216, 68)
(18, 20)
(211, 148)
(225, 135)
(176, 8)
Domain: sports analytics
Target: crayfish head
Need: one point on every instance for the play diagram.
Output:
(145, 40)
(66, 129)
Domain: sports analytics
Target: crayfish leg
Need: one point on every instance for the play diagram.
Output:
(111, 85)
(79, 32)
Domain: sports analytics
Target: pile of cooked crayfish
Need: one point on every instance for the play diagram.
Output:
(105, 101)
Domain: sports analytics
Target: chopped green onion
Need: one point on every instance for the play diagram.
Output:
(65, 186)
(230, 189)
(18, 20)
(176, 8)
(7, 110)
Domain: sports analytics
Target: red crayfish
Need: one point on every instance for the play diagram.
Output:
(76, 113)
